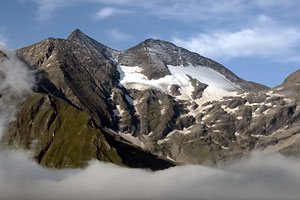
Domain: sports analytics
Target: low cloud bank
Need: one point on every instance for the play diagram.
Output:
(262, 177)
(268, 177)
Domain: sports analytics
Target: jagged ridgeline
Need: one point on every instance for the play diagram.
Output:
(152, 101)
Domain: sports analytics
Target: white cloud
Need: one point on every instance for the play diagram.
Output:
(268, 177)
(237, 11)
(179, 9)
(118, 36)
(274, 42)
(108, 12)
(15, 83)
(46, 8)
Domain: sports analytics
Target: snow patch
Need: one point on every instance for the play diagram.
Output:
(223, 147)
(168, 157)
(132, 139)
(253, 104)
(163, 110)
(288, 100)
(163, 140)
(268, 104)
(258, 135)
(218, 84)
(229, 110)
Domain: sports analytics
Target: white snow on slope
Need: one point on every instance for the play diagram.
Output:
(218, 84)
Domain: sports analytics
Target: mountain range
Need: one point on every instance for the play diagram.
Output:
(154, 106)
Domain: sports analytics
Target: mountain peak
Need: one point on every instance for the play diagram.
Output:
(77, 34)
(153, 42)
(292, 79)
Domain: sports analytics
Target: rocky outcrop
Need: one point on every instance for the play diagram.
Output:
(77, 70)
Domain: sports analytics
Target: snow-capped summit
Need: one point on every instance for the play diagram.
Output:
(164, 66)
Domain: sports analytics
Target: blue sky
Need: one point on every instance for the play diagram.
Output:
(259, 40)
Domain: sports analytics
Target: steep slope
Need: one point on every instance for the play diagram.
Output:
(61, 136)
(76, 70)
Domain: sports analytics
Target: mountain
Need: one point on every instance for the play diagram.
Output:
(293, 79)
(153, 97)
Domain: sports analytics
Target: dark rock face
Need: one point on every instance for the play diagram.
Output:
(198, 88)
(175, 90)
(205, 128)
(157, 112)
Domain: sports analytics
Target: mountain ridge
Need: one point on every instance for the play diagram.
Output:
(165, 99)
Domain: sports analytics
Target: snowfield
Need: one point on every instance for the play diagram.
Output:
(131, 77)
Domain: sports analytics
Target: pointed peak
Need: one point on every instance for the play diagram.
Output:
(76, 34)
(151, 40)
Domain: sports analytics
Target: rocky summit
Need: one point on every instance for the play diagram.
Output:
(151, 106)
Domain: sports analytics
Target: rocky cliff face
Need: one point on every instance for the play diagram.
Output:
(162, 98)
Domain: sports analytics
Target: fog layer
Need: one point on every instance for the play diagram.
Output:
(262, 177)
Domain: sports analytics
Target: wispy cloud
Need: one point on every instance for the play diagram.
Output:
(218, 11)
(15, 82)
(108, 12)
(266, 39)
(46, 8)
(118, 36)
